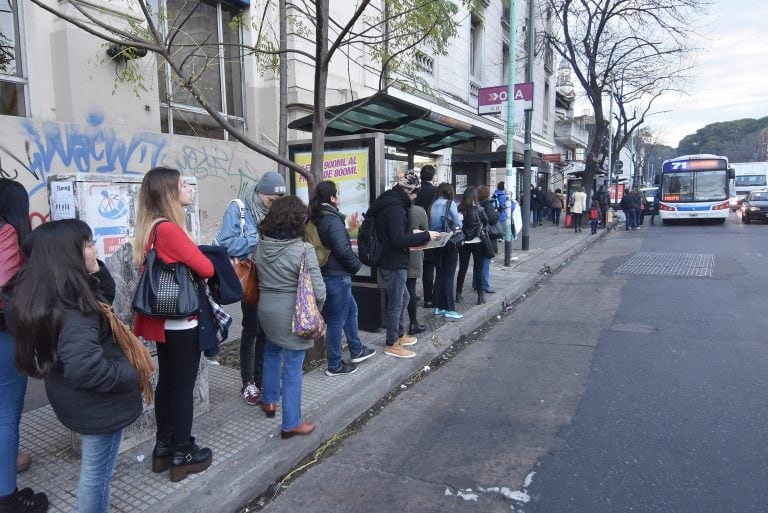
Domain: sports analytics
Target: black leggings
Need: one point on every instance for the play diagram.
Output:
(410, 285)
(476, 251)
(178, 360)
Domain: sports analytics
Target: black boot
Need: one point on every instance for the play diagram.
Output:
(481, 297)
(161, 454)
(188, 459)
(416, 328)
(24, 501)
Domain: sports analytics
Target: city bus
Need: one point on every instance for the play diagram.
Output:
(695, 187)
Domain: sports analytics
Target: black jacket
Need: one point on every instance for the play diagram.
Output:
(333, 233)
(474, 219)
(493, 217)
(93, 389)
(224, 285)
(426, 195)
(392, 212)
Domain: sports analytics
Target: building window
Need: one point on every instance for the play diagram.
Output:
(476, 47)
(12, 73)
(209, 50)
(546, 109)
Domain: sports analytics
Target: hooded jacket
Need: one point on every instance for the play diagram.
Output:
(278, 261)
(334, 235)
(392, 212)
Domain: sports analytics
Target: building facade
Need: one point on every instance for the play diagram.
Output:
(70, 102)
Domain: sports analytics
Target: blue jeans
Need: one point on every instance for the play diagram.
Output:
(486, 275)
(340, 313)
(283, 365)
(13, 385)
(397, 302)
(96, 470)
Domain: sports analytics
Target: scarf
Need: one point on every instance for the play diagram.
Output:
(134, 351)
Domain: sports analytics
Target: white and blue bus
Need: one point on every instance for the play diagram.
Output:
(695, 187)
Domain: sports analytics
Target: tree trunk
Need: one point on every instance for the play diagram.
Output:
(282, 136)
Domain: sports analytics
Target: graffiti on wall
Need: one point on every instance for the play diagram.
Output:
(31, 151)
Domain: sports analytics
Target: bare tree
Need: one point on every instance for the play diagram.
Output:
(389, 35)
(634, 44)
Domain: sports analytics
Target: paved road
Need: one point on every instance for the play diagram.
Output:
(603, 392)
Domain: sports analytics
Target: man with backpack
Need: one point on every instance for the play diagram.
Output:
(240, 234)
(392, 222)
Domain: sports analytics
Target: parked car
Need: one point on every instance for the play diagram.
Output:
(755, 207)
(648, 194)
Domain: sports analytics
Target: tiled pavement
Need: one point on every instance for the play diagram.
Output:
(248, 453)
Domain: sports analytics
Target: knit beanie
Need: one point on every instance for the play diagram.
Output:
(410, 182)
(271, 184)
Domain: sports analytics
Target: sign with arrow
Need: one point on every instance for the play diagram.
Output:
(493, 100)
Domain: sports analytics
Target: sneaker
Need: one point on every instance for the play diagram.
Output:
(398, 351)
(344, 368)
(439, 312)
(405, 340)
(251, 393)
(453, 316)
(363, 355)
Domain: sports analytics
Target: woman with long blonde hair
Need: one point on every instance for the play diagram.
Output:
(161, 221)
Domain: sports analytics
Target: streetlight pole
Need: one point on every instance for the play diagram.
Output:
(510, 180)
(527, 148)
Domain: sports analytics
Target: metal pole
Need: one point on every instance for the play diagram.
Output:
(527, 148)
(610, 148)
(510, 181)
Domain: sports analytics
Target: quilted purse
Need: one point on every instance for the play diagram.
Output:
(165, 290)
(307, 320)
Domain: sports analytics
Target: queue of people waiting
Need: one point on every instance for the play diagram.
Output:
(57, 324)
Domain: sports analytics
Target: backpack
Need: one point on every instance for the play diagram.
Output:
(594, 214)
(313, 237)
(217, 238)
(369, 247)
(496, 203)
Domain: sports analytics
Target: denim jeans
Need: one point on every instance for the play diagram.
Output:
(97, 467)
(13, 385)
(486, 275)
(283, 365)
(447, 258)
(556, 216)
(251, 345)
(340, 313)
(397, 302)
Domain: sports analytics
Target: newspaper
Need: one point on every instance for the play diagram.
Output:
(438, 242)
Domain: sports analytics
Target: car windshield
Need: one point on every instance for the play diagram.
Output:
(763, 196)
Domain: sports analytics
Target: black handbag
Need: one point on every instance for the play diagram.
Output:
(488, 250)
(496, 230)
(457, 237)
(165, 290)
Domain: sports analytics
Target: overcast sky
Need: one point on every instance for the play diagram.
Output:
(731, 79)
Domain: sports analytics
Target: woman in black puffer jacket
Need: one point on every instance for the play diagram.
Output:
(62, 336)
(474, 220)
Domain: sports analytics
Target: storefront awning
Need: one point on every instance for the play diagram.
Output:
(404, 124)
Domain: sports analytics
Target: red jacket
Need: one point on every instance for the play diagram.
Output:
(172, 246)
(11, 257)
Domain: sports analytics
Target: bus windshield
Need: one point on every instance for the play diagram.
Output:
(694, 186)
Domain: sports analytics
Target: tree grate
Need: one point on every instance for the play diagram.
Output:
(698, 265)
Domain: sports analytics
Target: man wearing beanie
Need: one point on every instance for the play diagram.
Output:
(240, 244)
(392, 214)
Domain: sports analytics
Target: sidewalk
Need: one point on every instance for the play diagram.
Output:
(249, 454)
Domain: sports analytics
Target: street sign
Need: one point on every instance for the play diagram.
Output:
(493, 100)
(551, 157)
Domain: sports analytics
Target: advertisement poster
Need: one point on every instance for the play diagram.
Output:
(107, 209)
(349, 170)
